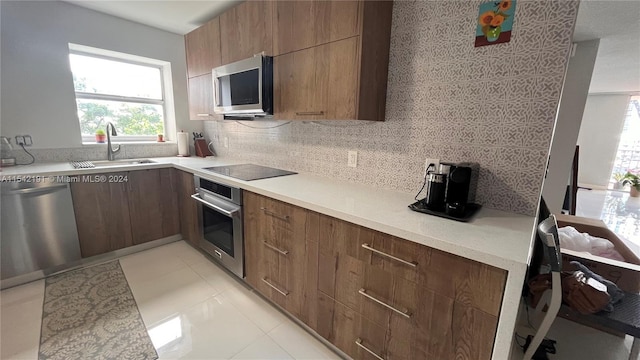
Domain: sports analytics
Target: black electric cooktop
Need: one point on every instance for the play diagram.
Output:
(249, 172)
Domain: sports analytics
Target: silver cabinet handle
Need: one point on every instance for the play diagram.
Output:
(309, 113)
(405, 313)
(203, 115)
(266, 281)
(283, 252)
(409, 263)
(359, 343)
(283, 218)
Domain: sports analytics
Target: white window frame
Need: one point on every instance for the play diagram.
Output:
(166, 91)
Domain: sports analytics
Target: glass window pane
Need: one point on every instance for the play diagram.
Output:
(96, 75)
(128, 118)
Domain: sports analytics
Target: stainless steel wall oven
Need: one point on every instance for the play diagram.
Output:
(220, 223)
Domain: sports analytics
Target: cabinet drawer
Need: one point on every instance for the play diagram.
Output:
(466, 281)
(350, 331)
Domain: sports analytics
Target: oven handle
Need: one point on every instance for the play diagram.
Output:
(215, 207)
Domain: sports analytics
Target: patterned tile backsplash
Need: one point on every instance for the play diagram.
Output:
(492, 105)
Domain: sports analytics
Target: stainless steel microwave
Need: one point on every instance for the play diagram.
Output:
(244, 88)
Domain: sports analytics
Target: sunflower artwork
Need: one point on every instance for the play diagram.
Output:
(495, 22)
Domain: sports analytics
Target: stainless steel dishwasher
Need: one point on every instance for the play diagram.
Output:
(38, 228)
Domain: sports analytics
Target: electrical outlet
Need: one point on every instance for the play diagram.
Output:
(226, 142)
(352, 160)
(27, 140)
(428, 161)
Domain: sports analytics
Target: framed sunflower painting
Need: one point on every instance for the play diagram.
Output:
(495, 22)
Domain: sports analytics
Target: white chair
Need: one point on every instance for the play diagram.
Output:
(552, 298)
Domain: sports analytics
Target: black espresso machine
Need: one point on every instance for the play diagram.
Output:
(448, 188)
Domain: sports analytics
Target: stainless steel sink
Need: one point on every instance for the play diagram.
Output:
(107, 163)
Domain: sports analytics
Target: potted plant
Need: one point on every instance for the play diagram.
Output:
(101, 136)
(618, 177)
(632, 180)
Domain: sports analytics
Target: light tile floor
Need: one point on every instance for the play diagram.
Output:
(191, 308)
(195, 310)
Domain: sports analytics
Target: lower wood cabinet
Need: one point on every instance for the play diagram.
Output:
(126, 209)
(187, 207)
(153, 205)
(371, 294)
(102, 215)
(351, 332)
(280, 259)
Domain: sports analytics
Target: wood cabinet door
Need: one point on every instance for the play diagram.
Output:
(438, 326)
(102, 215)
(317, 83)
(187, 207)
(349, 331)
(153, 205)
(203, 48)
(246, 30)
(303, 24)
(201, 97)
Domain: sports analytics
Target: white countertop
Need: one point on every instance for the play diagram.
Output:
(494, 237)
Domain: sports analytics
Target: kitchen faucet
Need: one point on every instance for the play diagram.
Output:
(111, 153)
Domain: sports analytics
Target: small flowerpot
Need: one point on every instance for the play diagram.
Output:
(493, 33)
(101, 138)
(634, 192)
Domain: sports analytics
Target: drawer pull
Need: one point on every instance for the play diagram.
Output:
(283, 252)
(203, 115)
(266, 281)
(283, 218)
(405, 313)
(359, 343)
(410, 263)
(302, 113)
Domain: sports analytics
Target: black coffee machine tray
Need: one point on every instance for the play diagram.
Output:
(469, 211)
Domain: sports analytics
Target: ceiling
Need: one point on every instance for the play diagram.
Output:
(615, 22)
(178, 17)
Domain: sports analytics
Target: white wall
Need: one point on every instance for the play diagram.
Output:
(565, 134)
(37, 86)
(599, 136)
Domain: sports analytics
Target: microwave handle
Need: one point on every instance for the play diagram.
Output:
(216, 91)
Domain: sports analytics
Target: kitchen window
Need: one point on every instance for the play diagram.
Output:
(132, 92)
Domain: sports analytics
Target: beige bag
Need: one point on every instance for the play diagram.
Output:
(585, 295)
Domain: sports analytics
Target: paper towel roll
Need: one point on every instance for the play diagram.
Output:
(183, 143)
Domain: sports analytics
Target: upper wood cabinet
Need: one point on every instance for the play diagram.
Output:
(317, 83)
(343, 79)
(302, 24)
(203, 49)
(246, 30)
(201, 97)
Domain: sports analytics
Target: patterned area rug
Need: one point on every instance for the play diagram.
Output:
(90, 313)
